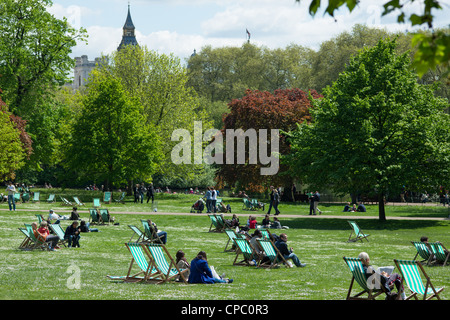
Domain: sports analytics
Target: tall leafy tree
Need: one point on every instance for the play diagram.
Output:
(375, 130)
(111, 142)
(281, 110)
(34, 59)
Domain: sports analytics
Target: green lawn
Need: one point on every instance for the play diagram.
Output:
(319, 242)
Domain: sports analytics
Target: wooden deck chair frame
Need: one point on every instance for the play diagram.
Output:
(410, 273)
(107, 197)
(152, 236)
(40, 218)
(439, 252)
(138, 257)
(359, 235)
(77, 201)
(272, 252)
(51, 197)
(164, 270)
(139, 233)
(247, 205)
(36, 197)
(58, 230)
(424, 251)
(356, 267)
(94, 216)
(35, 242)
(245, 248)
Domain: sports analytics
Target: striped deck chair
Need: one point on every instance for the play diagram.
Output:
(217, 223)
(440, 252)
(107, 197)
(77, 201)
(104, 216)
(51, 198)
(150, 233)
(96, 202)
(424, 251)
(35, 197)
(58, 230)
(143, 262)
(359, 235)
(372, 288)
(40, 218)
(66, 202)
(35, 242)
(247, 205)
(272, 257)
(249, 254)
(94, 216)
(231, 235)
(165, 271)
(409, 269)
(26, 243)
(139, 233)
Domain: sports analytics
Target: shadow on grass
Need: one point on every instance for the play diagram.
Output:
(342, 224)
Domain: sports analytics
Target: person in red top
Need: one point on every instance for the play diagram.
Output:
(252, 222)
(45, 234)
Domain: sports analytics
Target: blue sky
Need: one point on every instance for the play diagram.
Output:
(180, 26)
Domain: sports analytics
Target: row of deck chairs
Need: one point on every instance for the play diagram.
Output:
(252, 204)
(154, 264)
(31, 242)
(107, 198)
(247, 255)
(410, 272)
(99, 216)
(431, 253)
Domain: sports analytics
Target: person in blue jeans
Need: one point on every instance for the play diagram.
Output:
(281, 245)
(11, 189)
(72, 235)
(200, 272)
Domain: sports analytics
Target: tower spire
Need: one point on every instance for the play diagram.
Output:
(128, 36)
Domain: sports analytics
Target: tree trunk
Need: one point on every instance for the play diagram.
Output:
(381, 209)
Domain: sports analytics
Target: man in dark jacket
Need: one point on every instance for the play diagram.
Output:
(281, 245)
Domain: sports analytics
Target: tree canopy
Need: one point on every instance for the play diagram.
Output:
(375, 130)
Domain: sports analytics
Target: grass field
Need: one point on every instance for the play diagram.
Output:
(319, 241)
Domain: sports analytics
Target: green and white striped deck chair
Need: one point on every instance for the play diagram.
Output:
(231, 235)
(51, 198)
(245, 248)
(274, 257)
(17, 197)
(93, 216)
(356, 267)
(409, 270)
(107, 197)
(440, 252)
(217, 223)
(40, 218)
(35, 243)
(359, 235)
(143, 262)
(27, 242)
(104, 215)
(58, 230)
(423, 250)
(150, 233)
(247, 205)
(165, 271)
(35, 197)
(139, 233)
(66, 202)
(96, 202)
(77, 201)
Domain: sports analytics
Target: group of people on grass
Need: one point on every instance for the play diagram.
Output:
(360, 208)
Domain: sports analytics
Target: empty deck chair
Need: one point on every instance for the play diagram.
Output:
(121, 198)
(65, 201)
(107, 197)
(51, 198)
(26, 243)
(359, 235)
(77, 201)
(96, 202)
(36, 197)
(410, 271)
(165, 265)
(231, 235)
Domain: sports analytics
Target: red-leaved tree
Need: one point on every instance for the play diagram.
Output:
(281, 110)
